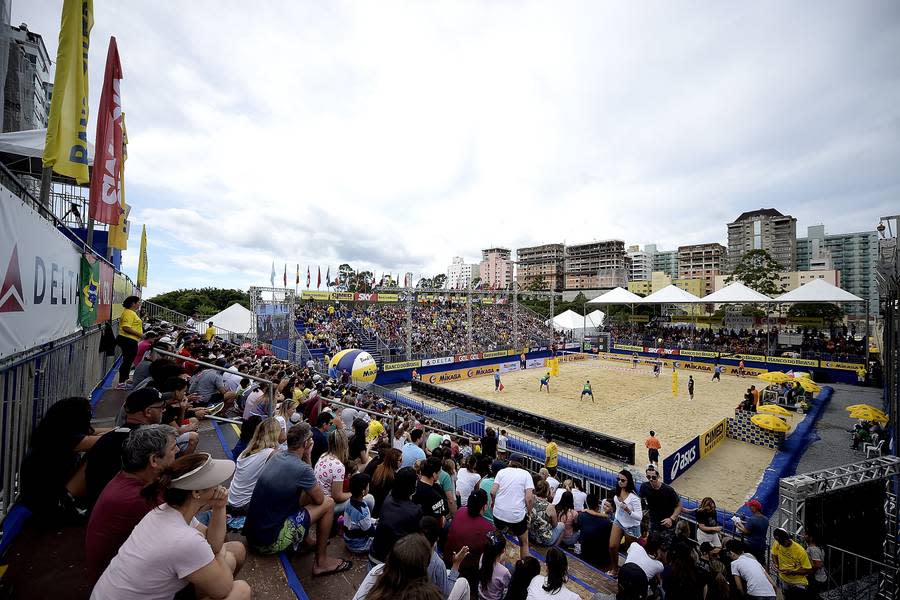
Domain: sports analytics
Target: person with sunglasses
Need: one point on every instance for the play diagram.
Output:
(627, 522)
(661, 501)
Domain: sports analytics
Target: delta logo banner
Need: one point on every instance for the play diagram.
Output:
(89, 300)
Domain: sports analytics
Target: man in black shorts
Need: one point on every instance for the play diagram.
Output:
(512, 498)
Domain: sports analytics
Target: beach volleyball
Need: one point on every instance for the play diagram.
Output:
(358, 363)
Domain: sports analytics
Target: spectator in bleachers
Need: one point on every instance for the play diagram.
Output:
(331, 470)
(383, 477)
(178, 414)
(143, 346)
(131, 329)
(552, 586)
(513, 497)
(627, 521)
(320, 436)
(594, 528)
(104, 459)
(681, 578)
(750, 577)
(755, 530)
(487, 472)
(708, 528)
(250, 464)
(248, 428)
(525, 570)
(631, 585)
(646, 558)
(209, 385)
(400, 516)
(287, 501)
(467, 478)
(662, 502)
(469, 528)
(359, 525)
(147, 452)
(792, 564)
(164, 553)
(411, 452)
(429, 494)
(404, 574)
(565, 513)
(447, 580)
(493, 576)
(358, 448)
(489, 443)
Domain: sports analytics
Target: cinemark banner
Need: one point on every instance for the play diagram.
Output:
(39, 279)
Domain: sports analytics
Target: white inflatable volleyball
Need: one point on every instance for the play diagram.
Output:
(358, 363)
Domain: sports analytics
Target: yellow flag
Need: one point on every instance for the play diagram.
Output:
(66, 146)
(142, 260)
(118, 234)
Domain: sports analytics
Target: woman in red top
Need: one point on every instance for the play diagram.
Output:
(470, 528)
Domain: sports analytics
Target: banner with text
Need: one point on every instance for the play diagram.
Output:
(399, 366)
(39, 279)
(444, 360)
(460, 374)
(796, 362)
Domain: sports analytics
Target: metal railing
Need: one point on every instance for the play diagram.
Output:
(852, 576)
(31, 382)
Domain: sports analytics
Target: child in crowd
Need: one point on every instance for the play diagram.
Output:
(359, 525)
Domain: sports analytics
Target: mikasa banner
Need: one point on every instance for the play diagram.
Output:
(39, 273)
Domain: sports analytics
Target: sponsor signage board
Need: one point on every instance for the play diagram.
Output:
(399, 366)
(681, 460)
(800, 362)
(714, 436)
(627, 347)
(444, 360)
(535, 363)
(494, 354)
(699, 353)
(830, 364)
(509, 366)
(466, 357)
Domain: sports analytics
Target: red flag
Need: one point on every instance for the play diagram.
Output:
(319, 280)
(285, 274)
(106, 185)
(307, 277)
(298, 274)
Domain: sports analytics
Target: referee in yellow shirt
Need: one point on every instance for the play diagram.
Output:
(551, 454)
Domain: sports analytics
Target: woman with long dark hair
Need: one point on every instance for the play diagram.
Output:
(164, 552)
(627, 521)
(403, 575)
(565, 513)
(681, 580)
(131, 330)
(525, 570)
(493, 577)
(383, 478)
(552, 586)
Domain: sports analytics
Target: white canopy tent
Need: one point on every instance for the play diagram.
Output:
(736, 292)
(818, 290)
(579, 325)
(596, 318)
(235, 319)
(671, 294)
(28, 147)
(616, 296)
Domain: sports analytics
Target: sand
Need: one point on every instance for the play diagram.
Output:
(628, 402)
(729, 474)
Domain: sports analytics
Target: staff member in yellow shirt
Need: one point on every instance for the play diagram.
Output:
(792, 564)
(551, 455)
(210, 332)
(131, 329)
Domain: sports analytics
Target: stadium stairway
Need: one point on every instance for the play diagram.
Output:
(369, 344)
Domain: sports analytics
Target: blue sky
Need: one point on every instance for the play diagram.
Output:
(395, 135)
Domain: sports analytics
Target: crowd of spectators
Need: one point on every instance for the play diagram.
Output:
(839, 343)
(438, 328)
(432, 511)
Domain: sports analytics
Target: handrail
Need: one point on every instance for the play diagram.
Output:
(224, 370)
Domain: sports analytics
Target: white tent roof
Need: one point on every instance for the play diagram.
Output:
(235, 318)
(736, 292)
(572, 320)
(30, 143)
(616, 296)
(818, 290)
(596, 318)
(671, 294)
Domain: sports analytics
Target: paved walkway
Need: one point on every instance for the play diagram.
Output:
(832, 448)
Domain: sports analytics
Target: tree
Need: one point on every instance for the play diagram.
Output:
(829, 312)
(205, 301)
(425, 282)
(438, 281)
(476, 283)
(345, 277)
(537, 284)
(759, 271)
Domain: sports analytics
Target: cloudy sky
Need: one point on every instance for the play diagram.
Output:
(395, 135)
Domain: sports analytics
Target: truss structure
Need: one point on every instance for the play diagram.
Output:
(793, 492)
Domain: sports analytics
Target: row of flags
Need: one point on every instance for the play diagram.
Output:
(66, 145)
(407, 280)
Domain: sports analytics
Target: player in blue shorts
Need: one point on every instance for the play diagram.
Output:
(545, 382)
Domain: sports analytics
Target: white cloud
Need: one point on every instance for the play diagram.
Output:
(394, 135)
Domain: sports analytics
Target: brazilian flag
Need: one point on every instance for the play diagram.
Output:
(90, 291)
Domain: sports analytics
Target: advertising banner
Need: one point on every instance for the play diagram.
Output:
(830, 364)
(121, 290)
(571, 357)
(343, 296)
(800, 362)
(745, 357)
(699, 353)
(627, 347)
(364, 297)
(639, 318)
(813, 321)
(534, 363)
(494, 354)
(399, 366)
(39, 275)
(104, 303)
(459, 374)
(465, 357)
(681, 460)
(509, 366)
(388, 297)
(713, 437)
(663, 351)
(738, 322)
(314, 295)
(444, 360)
